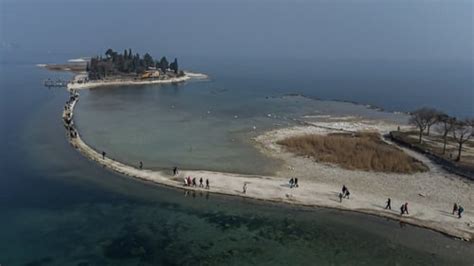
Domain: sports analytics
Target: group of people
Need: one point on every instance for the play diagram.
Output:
(293, 182)
(388, 206)
(404, 209)
(458, 209)
(344, 194)
(191, 182)
(67, 117)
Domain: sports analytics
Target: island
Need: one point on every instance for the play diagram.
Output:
(115, 69)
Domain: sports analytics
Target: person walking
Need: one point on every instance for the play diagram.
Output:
(194, 182)
(344, 189)
(460, 211)
(347, 194)
(406, 207)
(200, 182)
(141, 165)
(175, 171)
(291, 182)
(402, 209)
(340, 197)
(103, 155)
(244, 189)
(207, 184)
(296, 181)
(388, 206)
(455, 208)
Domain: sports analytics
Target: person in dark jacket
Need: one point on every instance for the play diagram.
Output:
(455, 208)
(389, 204)
(460, 211)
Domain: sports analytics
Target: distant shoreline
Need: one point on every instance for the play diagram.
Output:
(121, 82)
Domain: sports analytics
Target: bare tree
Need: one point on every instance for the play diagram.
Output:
(432, 117)
(447, 125)
(421, 118)
(462, 132)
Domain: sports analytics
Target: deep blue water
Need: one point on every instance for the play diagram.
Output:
(397, 85)
(57, 208)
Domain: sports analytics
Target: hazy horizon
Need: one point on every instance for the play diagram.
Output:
(332, 30)
(398, 55)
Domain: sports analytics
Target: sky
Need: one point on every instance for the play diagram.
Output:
(379, 30)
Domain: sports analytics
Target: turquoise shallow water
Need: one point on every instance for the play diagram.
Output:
(58, 208)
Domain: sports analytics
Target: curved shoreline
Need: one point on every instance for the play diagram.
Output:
(274, 189)
(94, 84)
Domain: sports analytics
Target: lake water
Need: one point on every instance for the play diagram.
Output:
(58, 208)
(199, 125)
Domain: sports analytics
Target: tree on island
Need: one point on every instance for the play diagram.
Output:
(174, 66)
(127, 63)
(163, 65)
(139, 64)
(149, 62)
(109, 52)
(462, 132)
